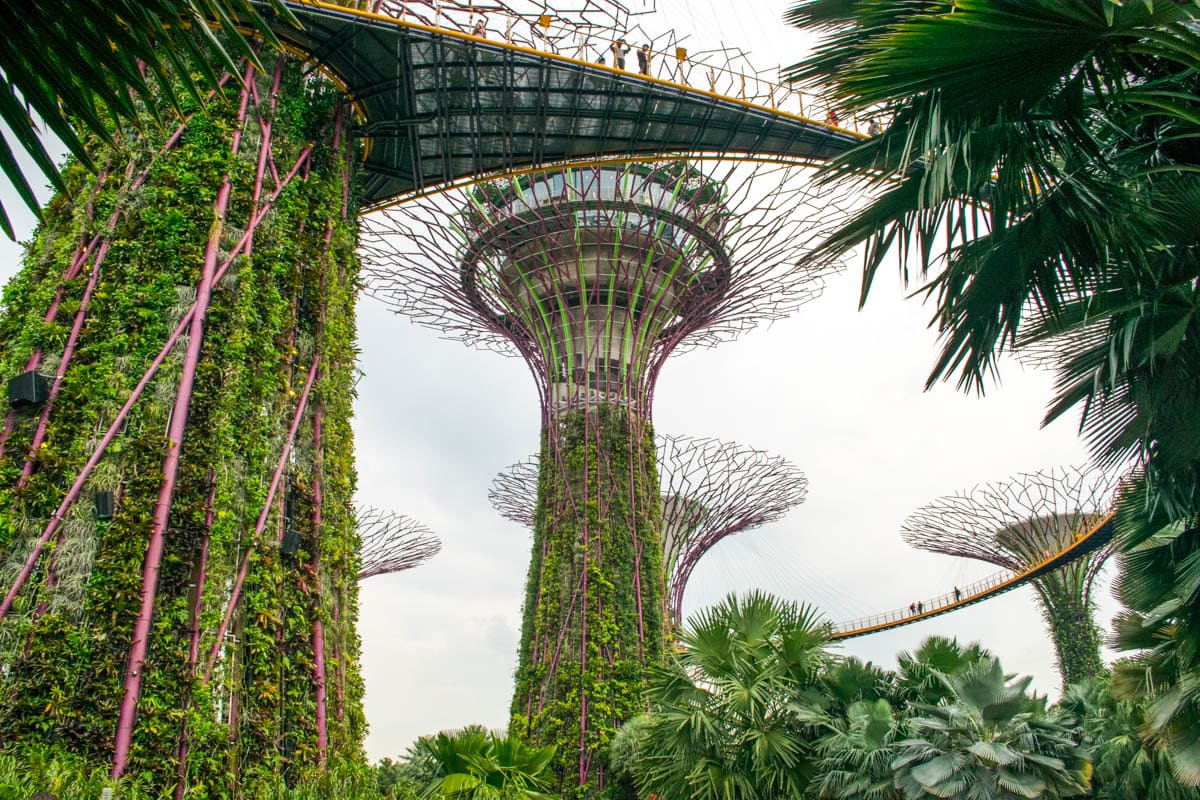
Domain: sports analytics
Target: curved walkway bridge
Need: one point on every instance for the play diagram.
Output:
(437, 106)
(1085, 542)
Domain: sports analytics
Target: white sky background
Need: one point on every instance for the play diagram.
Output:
(837, 391)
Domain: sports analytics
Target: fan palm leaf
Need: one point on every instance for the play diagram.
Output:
(87, 63)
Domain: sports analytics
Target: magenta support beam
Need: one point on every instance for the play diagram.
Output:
(194, 643)
(318, 631)
(170, 468)
(244, 567)
(39, 435)
(119, 420)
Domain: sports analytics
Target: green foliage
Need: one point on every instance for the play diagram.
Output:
(288, 301)
(474, 764)
(89, 62)
(593, 618)
(1038, 175)
(988, 739)
(724, 723)
(1125, 765)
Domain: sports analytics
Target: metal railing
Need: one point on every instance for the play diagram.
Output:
(726, 72)
(973, 592)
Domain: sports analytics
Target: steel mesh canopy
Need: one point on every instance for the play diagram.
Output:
(1014, 524)
(392, 542)
(596, 274)
(710, 489)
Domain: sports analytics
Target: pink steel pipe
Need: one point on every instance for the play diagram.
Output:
(318, 631)
(72, 493)
(39, 435)
(244, 566)
(170, 468)
(194, 643)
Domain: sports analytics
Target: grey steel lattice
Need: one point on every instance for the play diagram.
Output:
(692, 255)
(710, 489)
(1013, 524)
(392, 542)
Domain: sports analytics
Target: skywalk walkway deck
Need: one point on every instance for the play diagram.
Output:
(438, 106)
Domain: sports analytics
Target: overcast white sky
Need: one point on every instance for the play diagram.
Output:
(837, 391)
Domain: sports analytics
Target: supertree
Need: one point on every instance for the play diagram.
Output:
(1015, 524)
(177, 459)
(595, 275)
(392, 543)
(710, 490)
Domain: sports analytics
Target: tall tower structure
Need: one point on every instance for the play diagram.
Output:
(1018, 523)
(710, 490)
(595, 275)
(177, 459)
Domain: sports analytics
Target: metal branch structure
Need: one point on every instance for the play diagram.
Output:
(594, 275)
(710, 490)
(391, 542)
(1020, 523)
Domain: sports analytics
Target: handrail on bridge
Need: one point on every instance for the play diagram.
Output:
(1083, 543)
(586, 48)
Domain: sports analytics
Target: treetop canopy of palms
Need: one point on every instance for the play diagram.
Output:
(81, 64)
(1013, 133)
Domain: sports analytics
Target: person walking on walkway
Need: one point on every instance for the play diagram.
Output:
(643, 55)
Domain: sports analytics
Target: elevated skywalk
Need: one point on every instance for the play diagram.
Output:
(438, 106)
(1086, 542)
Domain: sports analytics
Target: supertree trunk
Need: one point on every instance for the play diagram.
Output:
(174, 300)
(1071, 621)
(593, 618)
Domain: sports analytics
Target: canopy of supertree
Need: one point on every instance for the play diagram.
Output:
(392, 542)
(710, 490)
(595, 274)
(1018, 523)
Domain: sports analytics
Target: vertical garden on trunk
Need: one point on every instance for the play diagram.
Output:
(594, 604)
(225, 249)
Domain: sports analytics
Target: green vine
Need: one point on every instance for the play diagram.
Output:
(66, 660)
(597, 519)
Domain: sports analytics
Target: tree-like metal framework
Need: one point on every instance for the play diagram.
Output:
(1017, 524)
(710, 490)
(391, 542)
(595, 275)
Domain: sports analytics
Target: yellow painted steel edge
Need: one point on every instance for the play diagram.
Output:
(451, 33)
(594, 161)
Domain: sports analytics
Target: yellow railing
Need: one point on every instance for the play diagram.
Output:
(723, 73)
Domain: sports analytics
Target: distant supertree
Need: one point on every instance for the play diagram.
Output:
(1015, 524)
(392, 542)
(710, 490)
(595, 275)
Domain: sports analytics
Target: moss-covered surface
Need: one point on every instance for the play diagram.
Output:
(64, 644)
(593, 619)
(1070, 617)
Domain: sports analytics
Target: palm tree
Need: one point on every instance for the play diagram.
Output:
(724, 723)
(922, 675)
(988, 740)
(84, 63)
(474, 764)
(1039, 177)
(1125, 766)
(857, 754)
